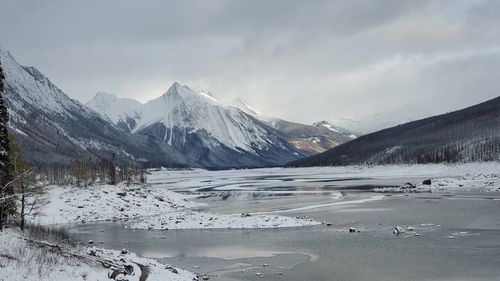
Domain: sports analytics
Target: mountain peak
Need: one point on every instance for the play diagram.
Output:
(238, 102)
(103, 97)
(35, 88)
(175, 88)
(322, 123)
(186, 92)
(114, 108)
(335, 129)
(327, 125)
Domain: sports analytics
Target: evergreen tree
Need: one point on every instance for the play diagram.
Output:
(4, 134)
(6, 190)
(112, 171)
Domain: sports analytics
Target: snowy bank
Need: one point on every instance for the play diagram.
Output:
(261, 180)
(202, 220)
(109, 203)
(467, 183)
(146, 207)
(28, 259)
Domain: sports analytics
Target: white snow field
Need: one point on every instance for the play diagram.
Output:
(146, 207)
(157, 206)
(452, 177)
(22, 258)
(467, 183)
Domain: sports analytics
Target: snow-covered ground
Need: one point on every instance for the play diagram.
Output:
(471, 176)
(196, 220)
(22, 258)
(158, 207)
(146, 207)
(108, 203)
(467, 183)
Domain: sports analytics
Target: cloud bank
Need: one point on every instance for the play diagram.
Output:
(300, 60)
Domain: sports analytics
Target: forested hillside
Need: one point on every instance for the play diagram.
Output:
(471, 134)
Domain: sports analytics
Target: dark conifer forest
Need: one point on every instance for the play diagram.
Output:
(471, 134)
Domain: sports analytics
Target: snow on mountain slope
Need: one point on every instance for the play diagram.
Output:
(35, 89)
(120, 111)
(310, 139)
(250, 110)
(245, 107)
(180, 106)
(208, 132)
(468, 135)
(105, 102)
(336, 129)
(53, 128)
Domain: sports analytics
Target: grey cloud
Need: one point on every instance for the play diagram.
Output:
(302, 60)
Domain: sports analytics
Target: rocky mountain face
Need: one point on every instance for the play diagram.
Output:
(52, 128)
(310, 139)
(120, 111)
(181, 128)
(471, 134)
(205, 131)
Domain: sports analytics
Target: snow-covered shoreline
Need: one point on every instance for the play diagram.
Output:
(146, 207)
(197, 180)
(23, 257)
(467, 183)
(158, 207)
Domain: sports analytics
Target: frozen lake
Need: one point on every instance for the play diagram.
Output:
(341, 197)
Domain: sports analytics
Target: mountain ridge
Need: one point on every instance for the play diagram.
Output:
(467, 135)
(205, 130)
(53, 128)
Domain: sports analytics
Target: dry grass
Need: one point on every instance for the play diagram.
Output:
(55, 235)
(37, 253)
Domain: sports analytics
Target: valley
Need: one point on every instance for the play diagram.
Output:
(339, 197)
(249, 140)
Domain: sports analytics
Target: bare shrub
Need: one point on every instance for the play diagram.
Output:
(54, 235)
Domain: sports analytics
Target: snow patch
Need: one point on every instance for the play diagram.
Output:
(22, 259)
(146, 207)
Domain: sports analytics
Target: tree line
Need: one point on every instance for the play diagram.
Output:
(22, 186)
(468, 135)
(86, 172)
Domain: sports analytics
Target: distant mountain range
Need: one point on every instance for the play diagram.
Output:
(311, 139)
(52, 128)
(200, 128)
(189, 128)
(181, 128)
(471, 134)
(215, 135)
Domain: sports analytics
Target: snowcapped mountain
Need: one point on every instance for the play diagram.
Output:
(120, 111)
(310, 139)
(53, 128)
(196, 124)
(468, 135)
(248, 109)
(336, 129)
(182, 127)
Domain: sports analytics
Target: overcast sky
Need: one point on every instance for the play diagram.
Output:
(300, 60)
